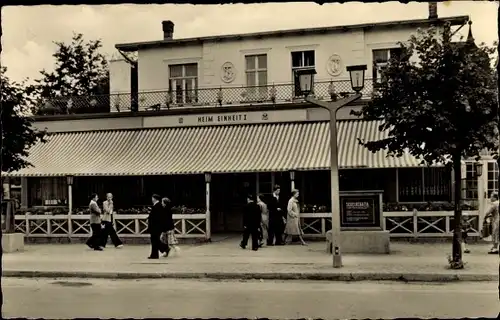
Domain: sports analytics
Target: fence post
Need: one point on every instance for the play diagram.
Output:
(415, 223)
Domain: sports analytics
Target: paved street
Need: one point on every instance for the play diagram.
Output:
(68, 298)
(226, 258)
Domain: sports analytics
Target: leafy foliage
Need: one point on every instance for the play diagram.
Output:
(18, 135)
(439, 103)
(440, 106)
(81, 70)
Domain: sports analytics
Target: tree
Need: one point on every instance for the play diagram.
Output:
(18, 135)
(440, 109)
(81, 75)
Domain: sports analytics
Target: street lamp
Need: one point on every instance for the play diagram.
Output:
(306, 81)
(479, 169)
(357, 76)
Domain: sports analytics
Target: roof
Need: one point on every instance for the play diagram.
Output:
(128, 47)
(217, 149)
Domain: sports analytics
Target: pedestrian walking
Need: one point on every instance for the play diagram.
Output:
(169, 238)
(264, 223)
(95, 240)
(492, 216)
(466, 228)
(276, 218)
(157, 224)
(292, 227)
(251, 223)
(107, 221)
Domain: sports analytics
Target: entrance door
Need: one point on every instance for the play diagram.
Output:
(228, 196)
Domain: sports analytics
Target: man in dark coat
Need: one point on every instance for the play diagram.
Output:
(277, 216)
(251, 223)
(157, 224)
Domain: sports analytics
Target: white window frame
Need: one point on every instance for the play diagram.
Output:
(379, 66)
(302, 67)
(184, 97)
(257, 92)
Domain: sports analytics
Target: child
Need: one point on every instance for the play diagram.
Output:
(466, 228)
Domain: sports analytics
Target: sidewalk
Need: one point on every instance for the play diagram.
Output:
(225, 260)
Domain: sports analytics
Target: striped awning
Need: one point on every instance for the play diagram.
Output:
(217, 149)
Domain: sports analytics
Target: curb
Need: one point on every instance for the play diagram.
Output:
(360, 276)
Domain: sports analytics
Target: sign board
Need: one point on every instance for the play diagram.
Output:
(361, 210)
(226, 118)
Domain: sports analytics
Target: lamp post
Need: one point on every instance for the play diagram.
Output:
(69, 181)
(208, 180)
(306, 80)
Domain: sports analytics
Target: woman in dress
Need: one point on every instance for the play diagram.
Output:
(264, 223)
(292, 227)
(172, 240)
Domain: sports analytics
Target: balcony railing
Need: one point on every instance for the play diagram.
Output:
(198, 98)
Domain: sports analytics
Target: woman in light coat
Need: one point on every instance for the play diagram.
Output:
(264, 222)
(292, 227)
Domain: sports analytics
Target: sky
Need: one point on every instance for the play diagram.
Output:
(29, 32)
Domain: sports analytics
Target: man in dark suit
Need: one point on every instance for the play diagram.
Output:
(251, 223)
(277, 216)
(157, 224)
(95, 241)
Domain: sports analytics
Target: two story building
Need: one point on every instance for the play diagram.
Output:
(207, 120)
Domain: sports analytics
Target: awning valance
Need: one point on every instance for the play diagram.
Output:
(217, 149)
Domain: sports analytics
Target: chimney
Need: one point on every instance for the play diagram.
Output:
(168, 30)
(433, 10)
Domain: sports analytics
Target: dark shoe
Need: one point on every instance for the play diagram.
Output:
(165, 254)
(98, 249)
(254, 249)
(466, 251)
(88, 245)
(269, 244)
(153, 257)
(493, 251)
(242, 246)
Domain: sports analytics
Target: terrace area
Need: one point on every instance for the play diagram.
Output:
(169, 99)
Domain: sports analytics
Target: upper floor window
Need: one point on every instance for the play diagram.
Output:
(183, 80)
(380, 59)
(301, 60)
(256, 73)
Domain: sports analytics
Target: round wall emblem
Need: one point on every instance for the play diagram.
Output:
(334, 65)
(181, 120)
(228, 72)
(265, 116)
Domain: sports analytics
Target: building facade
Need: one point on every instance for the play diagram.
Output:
(205, 121)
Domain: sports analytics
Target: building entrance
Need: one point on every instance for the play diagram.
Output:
(228, 194)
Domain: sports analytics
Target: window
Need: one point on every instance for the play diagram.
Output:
(470, 192)
(184, 83)
(47, 191)
(301, 60)
(380, 59)
(492, 177)
(424, 184)
(256, 73)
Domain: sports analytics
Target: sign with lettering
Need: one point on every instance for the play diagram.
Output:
(229, 118)
(360, 210)
(214, 119)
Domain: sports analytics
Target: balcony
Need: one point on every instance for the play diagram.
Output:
(199, 98)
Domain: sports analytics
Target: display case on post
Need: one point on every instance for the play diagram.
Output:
(361, 223)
